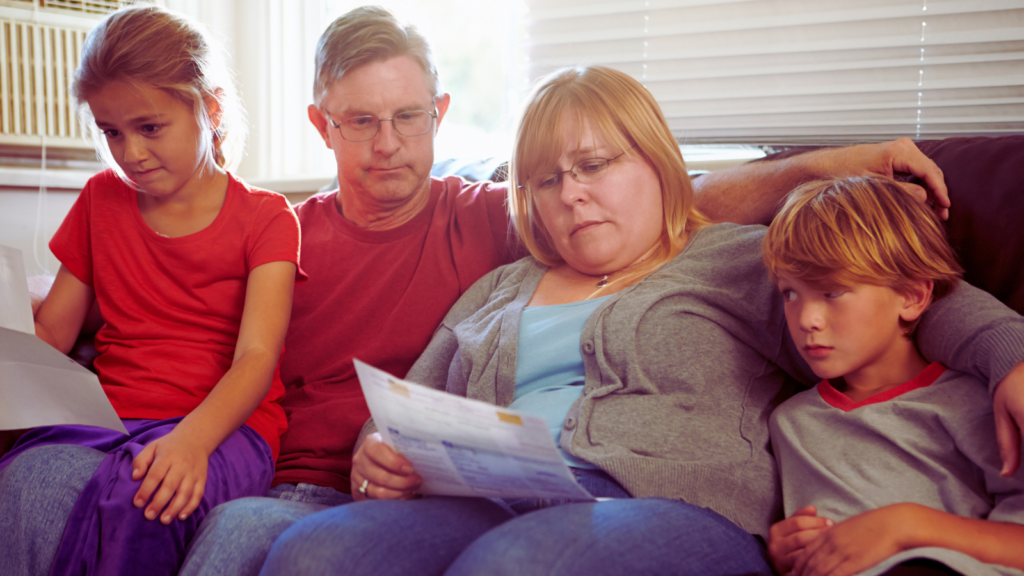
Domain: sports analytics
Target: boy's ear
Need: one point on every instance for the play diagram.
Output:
(316, 116)
(915, 300)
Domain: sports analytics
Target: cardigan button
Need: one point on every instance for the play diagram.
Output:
(570, 423)
(588, 347)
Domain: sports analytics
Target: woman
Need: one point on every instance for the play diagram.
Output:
(652, 342)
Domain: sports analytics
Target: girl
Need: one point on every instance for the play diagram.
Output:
(193, 272)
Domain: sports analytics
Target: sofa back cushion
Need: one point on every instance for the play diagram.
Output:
(986, 221)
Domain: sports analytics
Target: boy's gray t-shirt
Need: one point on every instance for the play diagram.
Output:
(933, 445)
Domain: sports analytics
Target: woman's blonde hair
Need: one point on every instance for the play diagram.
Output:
(148, 45)
(836, 233)
(627, 116)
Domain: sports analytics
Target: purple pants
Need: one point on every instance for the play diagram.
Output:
(106, 533)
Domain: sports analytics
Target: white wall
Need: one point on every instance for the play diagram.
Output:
(20, 228)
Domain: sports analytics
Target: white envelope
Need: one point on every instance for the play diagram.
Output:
(39, 386)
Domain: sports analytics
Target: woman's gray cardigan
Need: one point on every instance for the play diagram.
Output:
(683, 369)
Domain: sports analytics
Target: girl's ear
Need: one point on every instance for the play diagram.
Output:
(213, 111)
(916, 299)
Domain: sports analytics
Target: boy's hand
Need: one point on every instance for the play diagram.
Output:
(788, 538)
(177, 465)
(856, 543)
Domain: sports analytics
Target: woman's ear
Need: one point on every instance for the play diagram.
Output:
(213, 111)
(916, 299)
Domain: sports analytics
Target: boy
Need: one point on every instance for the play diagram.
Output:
(889, 465)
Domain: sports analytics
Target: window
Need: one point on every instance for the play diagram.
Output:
(801, 71)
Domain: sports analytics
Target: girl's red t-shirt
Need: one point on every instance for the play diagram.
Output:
(173, 306)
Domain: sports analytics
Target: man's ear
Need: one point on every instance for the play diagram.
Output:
(316, 116)
(915, 300)
(442, 103)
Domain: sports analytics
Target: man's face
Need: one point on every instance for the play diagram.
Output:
(390, 171)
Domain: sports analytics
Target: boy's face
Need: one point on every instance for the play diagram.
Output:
(851, 332)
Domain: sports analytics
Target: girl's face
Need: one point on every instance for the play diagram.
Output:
(605, 225)
(153, 136)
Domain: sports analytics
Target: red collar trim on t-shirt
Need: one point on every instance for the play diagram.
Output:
(837, 399)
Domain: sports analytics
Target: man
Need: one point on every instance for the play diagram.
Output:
(391, 251)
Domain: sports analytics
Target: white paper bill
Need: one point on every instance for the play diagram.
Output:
(39, 386)
(463, 447)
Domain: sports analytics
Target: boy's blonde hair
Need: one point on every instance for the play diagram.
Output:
(626, 115)
(149, 45)
(836, 233)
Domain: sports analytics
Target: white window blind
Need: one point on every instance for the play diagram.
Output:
(781, 72)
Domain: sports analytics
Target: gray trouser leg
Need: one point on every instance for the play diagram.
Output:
(37, 492)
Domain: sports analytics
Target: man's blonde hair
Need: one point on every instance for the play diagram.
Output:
(627, 116)
(845, 231)
(365, 35)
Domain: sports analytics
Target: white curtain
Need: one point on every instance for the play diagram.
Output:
(780, 72)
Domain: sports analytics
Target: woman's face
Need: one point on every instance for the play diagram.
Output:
(602, 226)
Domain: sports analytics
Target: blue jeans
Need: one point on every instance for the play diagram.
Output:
(235, 537)
(37, 494)
(103, 532)
(439, 535)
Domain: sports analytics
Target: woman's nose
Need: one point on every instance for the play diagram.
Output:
(573, 190)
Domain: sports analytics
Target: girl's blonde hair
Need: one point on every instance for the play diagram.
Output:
(627, 116)
(148, 45)
(836, 233)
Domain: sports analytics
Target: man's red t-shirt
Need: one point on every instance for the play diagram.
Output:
(377, 296)
(173, 306)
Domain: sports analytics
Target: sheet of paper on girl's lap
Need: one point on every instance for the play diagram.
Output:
(15, 306)
(465, 447)
(39, 386)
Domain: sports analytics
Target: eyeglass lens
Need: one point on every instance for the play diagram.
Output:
(363, 128)
(583, 171)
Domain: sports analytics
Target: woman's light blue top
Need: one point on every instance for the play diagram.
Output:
(549, 369)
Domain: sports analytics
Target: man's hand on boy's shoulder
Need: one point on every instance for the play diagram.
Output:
(1008, 405)
(788, 538)
(897, 157)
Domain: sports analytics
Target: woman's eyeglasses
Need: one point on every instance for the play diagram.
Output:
(584, 171)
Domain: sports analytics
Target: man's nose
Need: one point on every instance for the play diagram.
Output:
(388, 140)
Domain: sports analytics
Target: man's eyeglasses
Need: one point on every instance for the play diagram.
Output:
(364, 128)
(584, 171)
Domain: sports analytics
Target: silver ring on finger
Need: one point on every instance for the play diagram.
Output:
(363, 487)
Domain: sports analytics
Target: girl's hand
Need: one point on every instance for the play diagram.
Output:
(390, 475)
(788, 538)
(177, 465)
(857, 543)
